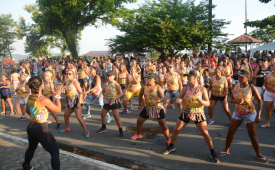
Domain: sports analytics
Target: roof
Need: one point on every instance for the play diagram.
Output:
(99, 53)
(268, 46)
(244, 39)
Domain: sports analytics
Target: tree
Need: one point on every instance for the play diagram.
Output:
(167, 26)
(70, 17)
(266, 34)
(7, 35)
(269, 21)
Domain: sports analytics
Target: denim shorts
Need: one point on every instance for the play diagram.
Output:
(172, 94)
(247, 118)
(260, 90)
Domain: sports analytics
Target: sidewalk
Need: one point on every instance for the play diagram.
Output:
(13, 151)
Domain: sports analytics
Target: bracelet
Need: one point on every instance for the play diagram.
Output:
(57, 96)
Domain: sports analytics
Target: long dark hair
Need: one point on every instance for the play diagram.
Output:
(34, 84)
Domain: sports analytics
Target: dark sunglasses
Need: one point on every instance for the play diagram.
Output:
(69, 74)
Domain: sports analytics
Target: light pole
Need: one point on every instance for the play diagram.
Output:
(245, 26)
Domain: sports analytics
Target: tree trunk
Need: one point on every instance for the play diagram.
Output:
(70, 38)
(9, 51)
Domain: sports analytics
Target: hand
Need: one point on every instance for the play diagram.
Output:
(58, 91)
(154, 101)
(240, 101)
(78, 106)
(261, 76)
(258, 119)
(113, 101)
(199, 100)
(178, 101)
(263, 87)
(140, 107)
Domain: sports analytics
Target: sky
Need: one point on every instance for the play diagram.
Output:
(95, 39)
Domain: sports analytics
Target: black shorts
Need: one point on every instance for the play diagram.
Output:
(6, 97)
(122, 86)
(144, 114)
(84, 80)
(75, 104)
(217, 98)
(184, 85)
(187, 119)
(117, 105)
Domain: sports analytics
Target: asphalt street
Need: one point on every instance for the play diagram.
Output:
(191, 153)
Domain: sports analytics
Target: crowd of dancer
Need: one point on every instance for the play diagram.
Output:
(190, 83)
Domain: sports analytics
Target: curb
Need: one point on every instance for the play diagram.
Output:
(89, 160)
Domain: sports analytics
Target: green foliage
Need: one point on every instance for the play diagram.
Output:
(269, 21)
(266, 34)
(7, 35)
(165, 26)
(68, 18)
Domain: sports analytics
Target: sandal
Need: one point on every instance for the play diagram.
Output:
(265, 126)
(222, 153)
(264, 159)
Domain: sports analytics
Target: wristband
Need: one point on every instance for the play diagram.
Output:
(57, 96)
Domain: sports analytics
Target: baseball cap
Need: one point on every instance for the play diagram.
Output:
(110, 73)
(254, 59)
(151, 76)
(264, 58)
(194, 73)
(245, 73)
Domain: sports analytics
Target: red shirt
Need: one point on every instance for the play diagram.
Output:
(212, 59)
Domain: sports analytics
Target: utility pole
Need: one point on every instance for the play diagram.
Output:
(245, 26)
(210, 28)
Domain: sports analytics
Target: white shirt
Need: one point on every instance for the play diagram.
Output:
(143, 63)
(220, 55)
(195, 61)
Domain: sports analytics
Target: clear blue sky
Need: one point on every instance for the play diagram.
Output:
(95, 39)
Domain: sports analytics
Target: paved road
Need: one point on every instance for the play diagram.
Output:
(191, 153)
(12, 157)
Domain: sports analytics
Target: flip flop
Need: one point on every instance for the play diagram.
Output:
(223, 153)
(265, 126)
(264, 159)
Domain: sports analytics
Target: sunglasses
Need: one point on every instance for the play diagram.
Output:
(69, 74)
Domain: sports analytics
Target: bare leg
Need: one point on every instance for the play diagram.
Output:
(103, 116)
(164, 128)
(179, 126)
(252, 132)
(204, 132)
(67, 115)
(226, 109)
(234, 125)
(78, 113)
(140, 122)
(22, 107)
(166, 102)
(268, 107)
(211, 108)
(116, 116)
(55, 117)
(125, 100)
(11, 106)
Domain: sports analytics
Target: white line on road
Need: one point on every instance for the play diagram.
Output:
(89, 160)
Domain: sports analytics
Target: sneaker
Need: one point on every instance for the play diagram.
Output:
(87, 116)
(87, 135)
(173, 107)
(168, 141)
(22, 118)
(58, 126)
(131, 106)
(27, 167)
(168, 150)
(102, 130)
(121, 135)
(210, 121)
(109, 119)
(65, 130)
(214, 157)
(136, 136)
(124, 112)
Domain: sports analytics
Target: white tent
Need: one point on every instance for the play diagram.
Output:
(268, 46)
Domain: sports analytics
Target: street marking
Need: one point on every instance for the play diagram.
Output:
(89, 160)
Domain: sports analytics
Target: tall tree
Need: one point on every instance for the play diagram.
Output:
(266, 34)
(7, 35)
(166, 26)
(70, 17)
(269, 21)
